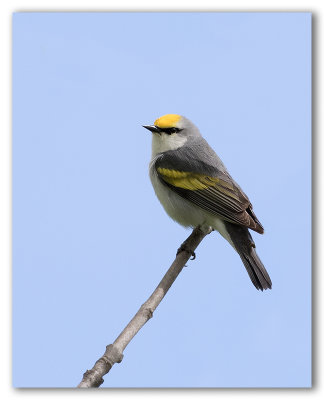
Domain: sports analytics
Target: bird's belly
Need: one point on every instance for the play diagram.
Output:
(183, 211)
(179, 209)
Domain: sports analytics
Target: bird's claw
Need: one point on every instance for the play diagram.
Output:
(184, 247)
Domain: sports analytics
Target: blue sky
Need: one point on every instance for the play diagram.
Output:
(91, 241)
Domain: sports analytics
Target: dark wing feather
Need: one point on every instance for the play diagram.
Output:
(214, 191)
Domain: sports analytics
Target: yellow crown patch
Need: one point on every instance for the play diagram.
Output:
(167, 121)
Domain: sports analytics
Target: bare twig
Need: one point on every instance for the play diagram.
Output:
(114, 352)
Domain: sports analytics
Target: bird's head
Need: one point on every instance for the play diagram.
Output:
(171, 132)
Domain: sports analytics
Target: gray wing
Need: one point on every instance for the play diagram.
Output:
(206, 183)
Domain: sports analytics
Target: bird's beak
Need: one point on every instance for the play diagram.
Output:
(152, 128)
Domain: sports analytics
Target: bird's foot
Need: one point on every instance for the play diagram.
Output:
(185, 247)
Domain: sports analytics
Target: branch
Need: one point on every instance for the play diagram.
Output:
(114, 352)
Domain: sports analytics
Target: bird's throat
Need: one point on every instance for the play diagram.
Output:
(163, 142)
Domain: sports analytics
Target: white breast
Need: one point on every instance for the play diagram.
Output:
(183, 211)
(178, 208)
(164, 142)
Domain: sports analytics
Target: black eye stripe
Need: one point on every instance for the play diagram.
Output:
(169, 131)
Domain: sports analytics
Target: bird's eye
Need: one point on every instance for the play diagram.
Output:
(169, 131)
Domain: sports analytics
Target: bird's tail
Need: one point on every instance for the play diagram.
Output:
(257, 273)
(244, 245)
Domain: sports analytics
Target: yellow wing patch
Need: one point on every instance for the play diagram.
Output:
(195, 181)
(167, 121)
(187, 180)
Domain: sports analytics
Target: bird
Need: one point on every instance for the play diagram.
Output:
(196, 190)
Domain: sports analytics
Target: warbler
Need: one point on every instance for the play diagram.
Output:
(196, 190)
